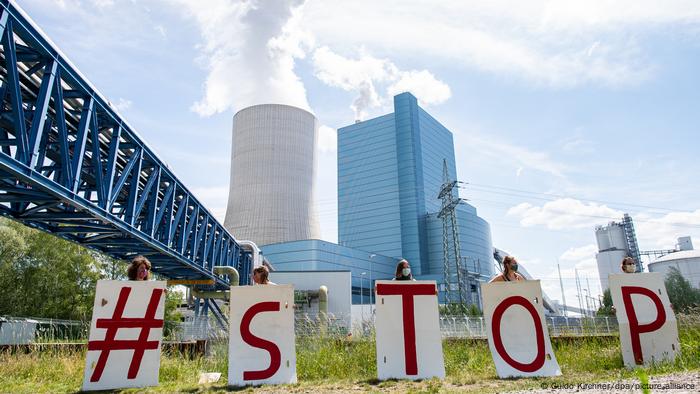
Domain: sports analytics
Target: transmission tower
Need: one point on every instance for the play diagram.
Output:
(455, 289)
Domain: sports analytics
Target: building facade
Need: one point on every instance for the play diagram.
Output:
(616, 241)
(272, 175)
(390, 172)
(313, 255)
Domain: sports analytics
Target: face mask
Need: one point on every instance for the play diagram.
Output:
(628, 268)
(406, 272)
(514, 267)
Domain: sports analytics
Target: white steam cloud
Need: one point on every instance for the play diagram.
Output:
(249, 50)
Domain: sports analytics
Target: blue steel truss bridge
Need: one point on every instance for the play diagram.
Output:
(71, 166)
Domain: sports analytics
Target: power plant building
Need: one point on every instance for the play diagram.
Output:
(685, 259)
(390, 173)
(616, 241)
(272, 175)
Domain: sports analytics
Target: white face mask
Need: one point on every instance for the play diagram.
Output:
(630, 269)
(406, 271)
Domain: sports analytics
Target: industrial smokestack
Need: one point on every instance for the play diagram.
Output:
(272, 175)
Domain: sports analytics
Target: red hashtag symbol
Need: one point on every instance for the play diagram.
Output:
(116, 322)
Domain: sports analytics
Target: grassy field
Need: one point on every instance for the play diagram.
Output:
(327, 364)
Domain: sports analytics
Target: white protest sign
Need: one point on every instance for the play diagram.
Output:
(261, 338)
(125, 335)
(517, 332)
(408, 330)
(648, 330)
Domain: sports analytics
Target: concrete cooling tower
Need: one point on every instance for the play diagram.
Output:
(272, 175)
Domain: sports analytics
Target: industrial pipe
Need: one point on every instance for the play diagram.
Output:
(323, 308)
(251, 247)
(323, 300)
(232, 273)
(219, 294)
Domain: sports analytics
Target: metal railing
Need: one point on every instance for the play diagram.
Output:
(16, 330)
(559, 326)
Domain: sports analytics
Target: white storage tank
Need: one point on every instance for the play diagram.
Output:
(617, 236)
(609, 263)
(686, 261)
(272, 175)
(685, 243)
(602, 237)
(610, 237)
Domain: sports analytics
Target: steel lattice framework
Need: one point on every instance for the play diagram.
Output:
(71, 166)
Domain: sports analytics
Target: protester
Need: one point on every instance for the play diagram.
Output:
(628, 266)
(139, 269)
(510, 271)
(260, 276)
(403, 271)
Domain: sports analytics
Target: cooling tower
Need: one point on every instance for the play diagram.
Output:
(272, 175)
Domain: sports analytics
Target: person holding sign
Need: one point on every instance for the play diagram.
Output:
(510, 271)
(627, 266)
(403, 271)
(260, 276)
(139, 269)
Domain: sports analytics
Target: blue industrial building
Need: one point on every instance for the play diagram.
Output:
(390, 172)
(317, 255)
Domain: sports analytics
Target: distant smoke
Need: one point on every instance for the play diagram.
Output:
(249, 50)
(368, 98)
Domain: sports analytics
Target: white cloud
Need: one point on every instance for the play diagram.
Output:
(550, 43)
(249, 50)
(653, 231)
(564, 213)
(367, 74)
(327, 139)
(161, 30)
(103, 3)
(518, 156)
(663, 232)
(423, 84)
(580, 253)
(122, 105)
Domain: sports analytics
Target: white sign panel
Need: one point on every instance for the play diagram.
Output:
(408, 330)
(648, 330)
(125, 335)
(517, 332)
(261, 339)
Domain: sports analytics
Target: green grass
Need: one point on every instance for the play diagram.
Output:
(329, 364)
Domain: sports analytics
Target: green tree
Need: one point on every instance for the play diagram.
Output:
(172, 316)
(683, 296)
(45, 276)
(13, 248)
(607, 308)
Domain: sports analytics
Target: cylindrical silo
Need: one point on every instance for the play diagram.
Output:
(272, 175)
(618, 240)
(603, 238)
(609, 262)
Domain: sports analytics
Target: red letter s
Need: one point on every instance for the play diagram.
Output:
(252, 340)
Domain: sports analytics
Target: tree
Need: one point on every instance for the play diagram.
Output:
(45, 276)
(171, 315)
(607, 308)
(683, 296)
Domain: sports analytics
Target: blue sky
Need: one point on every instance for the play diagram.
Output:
(565, 114)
